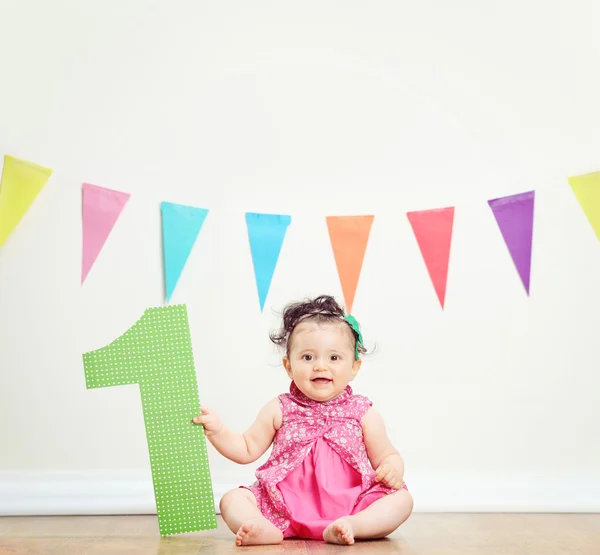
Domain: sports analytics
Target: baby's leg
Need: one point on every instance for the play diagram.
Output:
(240, 512)
(378, 520)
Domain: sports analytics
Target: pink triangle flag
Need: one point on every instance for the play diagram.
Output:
(433, 232)
(101, 209)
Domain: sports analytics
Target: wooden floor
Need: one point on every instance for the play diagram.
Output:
(423, 534)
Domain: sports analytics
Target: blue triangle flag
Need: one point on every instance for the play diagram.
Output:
(266, 233)
(181, 225)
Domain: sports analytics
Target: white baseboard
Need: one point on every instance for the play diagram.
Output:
(131, 492)
(80, 492)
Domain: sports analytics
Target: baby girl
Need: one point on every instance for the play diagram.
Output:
(333, 473)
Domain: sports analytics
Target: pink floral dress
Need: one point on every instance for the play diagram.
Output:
(318, 470)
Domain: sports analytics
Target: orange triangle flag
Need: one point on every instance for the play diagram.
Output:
(433, 231)
(349, 236)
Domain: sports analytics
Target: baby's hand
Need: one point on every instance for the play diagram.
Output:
(210, 421)
(389, 475)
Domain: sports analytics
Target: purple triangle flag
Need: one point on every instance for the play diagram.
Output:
(514, 216)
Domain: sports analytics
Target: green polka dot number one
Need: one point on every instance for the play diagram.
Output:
(156, 353)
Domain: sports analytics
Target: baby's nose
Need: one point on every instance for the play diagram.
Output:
(319, 365)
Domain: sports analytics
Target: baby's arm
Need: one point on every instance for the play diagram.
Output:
(247, 447)
(385, 459)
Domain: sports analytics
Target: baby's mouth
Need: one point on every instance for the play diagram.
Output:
(321, 380)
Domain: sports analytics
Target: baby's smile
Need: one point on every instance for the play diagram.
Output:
(321, 380)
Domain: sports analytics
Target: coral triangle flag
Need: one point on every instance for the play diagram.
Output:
(587, 191)
(266, 233)
(100, 211)
(349, 236)
(21, 183)
(181, 225)
(433, 232)
(514, 215)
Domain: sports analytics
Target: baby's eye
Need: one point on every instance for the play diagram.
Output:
(335, 357)
(307, 357)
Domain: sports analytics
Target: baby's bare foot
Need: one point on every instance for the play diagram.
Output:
(340, 532)
(258, 532)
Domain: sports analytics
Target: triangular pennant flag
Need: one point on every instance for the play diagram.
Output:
(101, 208)
(587, 190)
(514, 215)
(181, 225)
(21, 183)
(433, 231)
(349, 236)
(266, 233)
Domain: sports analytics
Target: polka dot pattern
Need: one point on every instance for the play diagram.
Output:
(156, 353)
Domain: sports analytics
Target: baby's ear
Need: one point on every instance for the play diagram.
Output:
(287, 366)
(356, 367)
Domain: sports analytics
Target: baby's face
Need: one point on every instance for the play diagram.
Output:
(321, 360)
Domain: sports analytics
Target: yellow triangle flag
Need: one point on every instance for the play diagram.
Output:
(21, 183)
(587, 190)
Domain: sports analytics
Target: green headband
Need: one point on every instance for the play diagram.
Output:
(356, 327)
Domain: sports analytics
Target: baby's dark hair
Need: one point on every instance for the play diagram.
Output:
(321, 309)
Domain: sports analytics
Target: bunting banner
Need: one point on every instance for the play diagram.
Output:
(21, 183)
(433, 232)
(349, 236)
(181, 225)
(514, 216)
(587, 191)
(100, 211)
(266, 233)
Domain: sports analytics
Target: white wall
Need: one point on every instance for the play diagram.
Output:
(310, 109)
